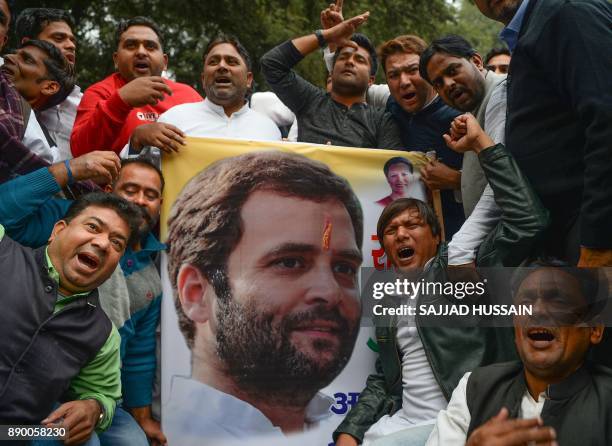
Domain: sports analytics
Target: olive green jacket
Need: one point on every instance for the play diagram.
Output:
(453, 351)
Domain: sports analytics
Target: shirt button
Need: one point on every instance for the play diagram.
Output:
(130, 262)
(48, 289)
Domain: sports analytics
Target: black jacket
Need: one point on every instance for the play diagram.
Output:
(559, 123)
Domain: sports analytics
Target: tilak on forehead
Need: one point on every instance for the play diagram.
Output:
(327, 232)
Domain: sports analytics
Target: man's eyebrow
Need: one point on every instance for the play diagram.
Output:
(287, 248)
(145, 41)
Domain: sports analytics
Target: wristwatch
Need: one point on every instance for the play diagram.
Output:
(320, 38)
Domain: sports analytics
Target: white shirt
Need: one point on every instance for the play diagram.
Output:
(465, 243)
(35, 140)
(453, 423)
(59, 121)
(198, 412)
(268, 104)
(207, 119)
(422, 398)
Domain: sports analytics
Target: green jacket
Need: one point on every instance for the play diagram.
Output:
(453, 351)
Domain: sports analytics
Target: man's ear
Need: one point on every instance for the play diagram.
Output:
(194, 293)
(476, 59)
(108, 188)
(597, 332)
(371, 81)
(57, 228)
(49, 88)
(249, 79)
(165, 62)
(115, 60)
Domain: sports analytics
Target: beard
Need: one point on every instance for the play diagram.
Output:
(263, 361)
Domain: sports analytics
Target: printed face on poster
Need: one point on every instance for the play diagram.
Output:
(261, 333)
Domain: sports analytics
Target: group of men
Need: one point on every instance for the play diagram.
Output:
(271, 310)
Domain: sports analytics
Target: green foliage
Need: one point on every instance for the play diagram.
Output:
(259, 24)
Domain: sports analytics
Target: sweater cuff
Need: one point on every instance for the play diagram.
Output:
(291, 53)
(137, 388)
(41, 182)
(116, 108)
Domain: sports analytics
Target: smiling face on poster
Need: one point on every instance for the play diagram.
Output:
(263, 263)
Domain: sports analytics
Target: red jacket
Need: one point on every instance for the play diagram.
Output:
(105, 122)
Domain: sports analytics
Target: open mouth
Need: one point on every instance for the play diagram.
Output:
(141, 66)
(6, 69)
(70, 57)
(90, 261)
(223, 81)
(540, 335)
(409, 96)
(405, 253)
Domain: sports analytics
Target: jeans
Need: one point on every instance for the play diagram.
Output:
(124, 431)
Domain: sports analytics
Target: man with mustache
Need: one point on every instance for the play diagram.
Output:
(44, 78)
(419, 365)
(56, 27)
(227, 80)
(456, 72)
(553, 395)
(59, 345)
(136, 94)
(132, 297)
(269, 308)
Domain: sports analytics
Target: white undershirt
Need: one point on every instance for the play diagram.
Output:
(422, 398)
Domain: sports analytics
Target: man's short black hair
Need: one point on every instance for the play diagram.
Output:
(496, 51)
(364, 42)
(32, 21)
(58, 70)
(138, 21)
(232, 40)
(398, 206)
(592, 281)
(397, 160)
(451, 44)
(129, 212)
(147, 161)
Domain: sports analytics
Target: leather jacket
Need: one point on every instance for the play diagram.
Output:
(453, 351)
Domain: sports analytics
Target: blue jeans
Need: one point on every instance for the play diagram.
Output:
(93, 441)
(123, 431)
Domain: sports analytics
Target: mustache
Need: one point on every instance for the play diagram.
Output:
(319, 313)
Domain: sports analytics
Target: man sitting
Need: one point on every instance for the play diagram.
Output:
(59, 344)
(553, 395)
(411, 390)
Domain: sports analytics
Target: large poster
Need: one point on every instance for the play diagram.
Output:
(210, 392)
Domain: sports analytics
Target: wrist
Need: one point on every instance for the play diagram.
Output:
(98, 409)
(320, 38)
(483, 141)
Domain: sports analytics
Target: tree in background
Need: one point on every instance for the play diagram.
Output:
(259, 24)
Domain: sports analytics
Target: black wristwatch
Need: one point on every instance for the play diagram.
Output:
(320, 38)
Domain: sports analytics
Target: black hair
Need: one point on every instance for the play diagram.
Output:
(592, 281)
(32, 21)
(129, 212)
(364, 42)
(496, 51)
(58, 70)
(397, 160)
(398, 206)
(138, 21)
(148, 162)
(451, 44)
(10, 5)
(232, 40)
